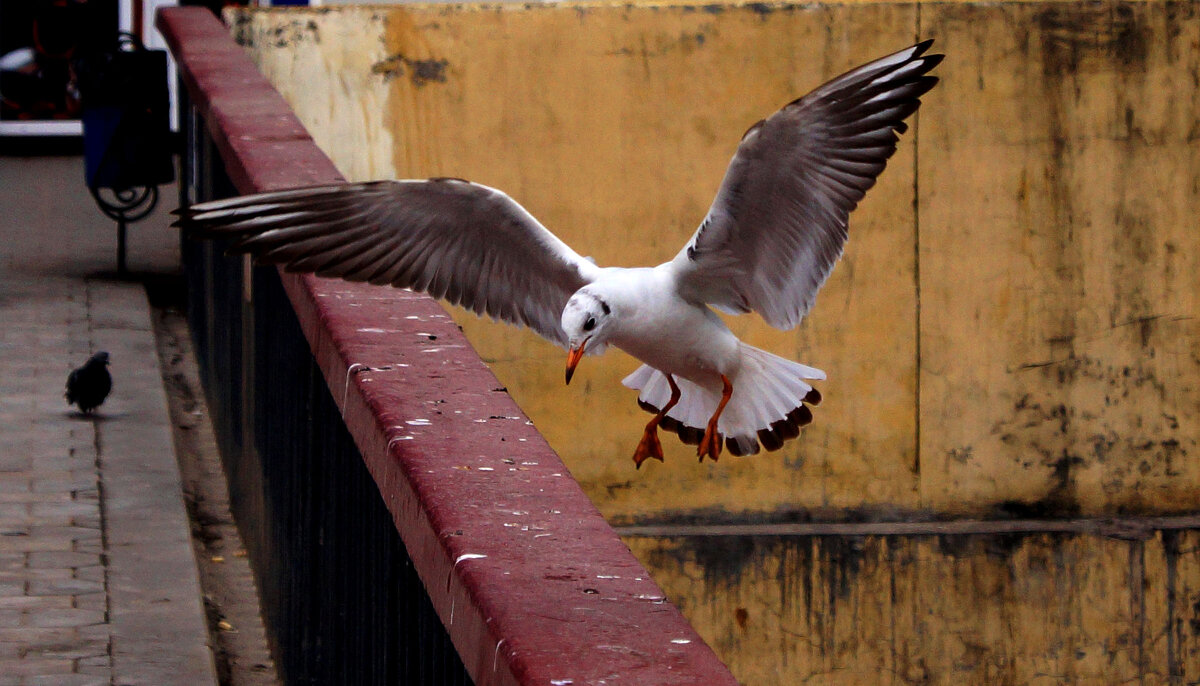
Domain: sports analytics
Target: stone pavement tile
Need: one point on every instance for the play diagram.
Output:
(67, 680)
(66, 510)
(92, 493)
(23, 542)
(60, 586)
(14, 513)
(100, 664)
(16, 462)
(44, 574)
(73, 458)
(67, 482)
(73, 617)
(42, 667)
(89, 521)
(14, 482)
(93, 573)
(40, 602)
(61, 558)
(97, 669)
(90, 649)
(38, 636)
(95, 631)
(25, 494)
(88, 546)
(90, 601)
(65, 531)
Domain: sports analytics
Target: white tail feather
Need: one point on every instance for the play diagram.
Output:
(767, 390)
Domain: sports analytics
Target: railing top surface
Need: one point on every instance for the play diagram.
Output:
(532, 584)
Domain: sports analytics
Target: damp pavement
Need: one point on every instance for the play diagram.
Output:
(98, 583)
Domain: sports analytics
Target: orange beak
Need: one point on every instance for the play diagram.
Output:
(573, 358)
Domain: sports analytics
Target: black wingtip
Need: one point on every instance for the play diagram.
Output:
(922, 47)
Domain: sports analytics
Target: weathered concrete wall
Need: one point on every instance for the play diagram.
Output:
(1046, 608)
(1059, 194)
(1011, 333)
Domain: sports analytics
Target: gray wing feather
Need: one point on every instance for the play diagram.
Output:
(464, 242)
(779, 221)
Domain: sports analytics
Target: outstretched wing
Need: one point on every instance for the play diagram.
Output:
(778, 223)
(467, 243)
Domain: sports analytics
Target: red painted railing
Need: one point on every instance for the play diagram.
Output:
(531, 583)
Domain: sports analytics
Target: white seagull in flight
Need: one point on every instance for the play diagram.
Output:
(770, 239)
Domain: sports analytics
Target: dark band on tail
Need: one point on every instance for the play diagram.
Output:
(771, 438)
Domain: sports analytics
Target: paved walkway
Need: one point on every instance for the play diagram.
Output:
(98, 583)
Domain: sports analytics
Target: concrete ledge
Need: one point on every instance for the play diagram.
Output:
(531, 583)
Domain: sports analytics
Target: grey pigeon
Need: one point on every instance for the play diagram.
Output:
(89, 385)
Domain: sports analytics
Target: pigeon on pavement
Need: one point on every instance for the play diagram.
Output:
(88, 386)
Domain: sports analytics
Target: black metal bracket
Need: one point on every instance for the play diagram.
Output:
(124, 206)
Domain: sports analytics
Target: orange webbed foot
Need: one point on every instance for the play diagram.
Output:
(710, 445)
(648, 447)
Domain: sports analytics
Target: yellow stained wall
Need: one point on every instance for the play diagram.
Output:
(1060, 260)
(1011, 332)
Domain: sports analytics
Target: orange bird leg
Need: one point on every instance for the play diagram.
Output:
(710, 445)
(650, 446)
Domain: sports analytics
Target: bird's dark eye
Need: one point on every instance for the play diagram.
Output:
(589, 324)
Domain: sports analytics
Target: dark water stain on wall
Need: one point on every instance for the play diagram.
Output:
(1079, 36)
(289, 35)
(420, 71)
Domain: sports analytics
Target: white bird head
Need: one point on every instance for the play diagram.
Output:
(585, 320)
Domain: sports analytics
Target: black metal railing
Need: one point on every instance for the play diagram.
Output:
(341, 599)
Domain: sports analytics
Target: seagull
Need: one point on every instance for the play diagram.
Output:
(767, 244)
(88, 386)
